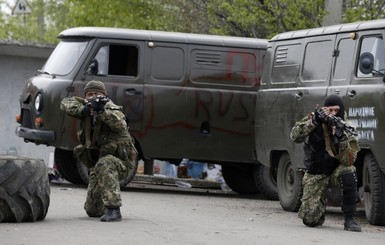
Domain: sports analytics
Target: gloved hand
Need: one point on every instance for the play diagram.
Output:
(97, 106)
(86, 111)
(339, 132)
(319, 116)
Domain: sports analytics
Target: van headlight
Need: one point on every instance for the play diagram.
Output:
(38, 102)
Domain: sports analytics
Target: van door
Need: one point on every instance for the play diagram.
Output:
(222, 92)
(343, 56)
(365, 95)
(166, 108)
(276, 101)
(313, 82)
(315, 73)
(119, 67)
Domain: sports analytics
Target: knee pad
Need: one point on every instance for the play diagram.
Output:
(348, 183)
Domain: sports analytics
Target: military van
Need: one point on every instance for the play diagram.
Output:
(185, 96)
(301, 69)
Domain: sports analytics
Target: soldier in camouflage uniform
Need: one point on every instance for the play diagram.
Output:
(106, 149)
(327, 164)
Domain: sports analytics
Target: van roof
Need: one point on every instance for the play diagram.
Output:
(348, 27)
(177, 37)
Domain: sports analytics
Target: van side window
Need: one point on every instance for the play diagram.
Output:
(317, 61)
(119, 60)
(286, 63)
(223, 67)
(167, 63)
(374, 45)
(344, 59)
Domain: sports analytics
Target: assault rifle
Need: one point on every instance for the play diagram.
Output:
(338, 122)
(97, 103)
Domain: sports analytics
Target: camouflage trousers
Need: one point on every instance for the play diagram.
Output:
(103, 187)
(314, 192)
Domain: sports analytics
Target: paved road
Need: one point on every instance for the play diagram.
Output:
(160, 214)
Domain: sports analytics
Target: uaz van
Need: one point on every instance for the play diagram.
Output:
(301, 69)
(185, 96)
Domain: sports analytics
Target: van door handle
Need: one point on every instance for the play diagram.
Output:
(298, 95)
(352, 94)
(132, 91)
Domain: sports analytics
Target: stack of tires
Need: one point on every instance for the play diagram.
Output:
(24, 189)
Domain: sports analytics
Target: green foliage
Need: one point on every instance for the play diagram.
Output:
(50, 17)
(361, 10)
(264, 18)
(248, 18)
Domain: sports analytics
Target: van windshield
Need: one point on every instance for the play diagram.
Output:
(64, 57)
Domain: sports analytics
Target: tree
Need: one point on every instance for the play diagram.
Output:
(50, 17)
(262, 18)
(361, 10)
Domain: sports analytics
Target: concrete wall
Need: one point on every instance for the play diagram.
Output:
(18, 62)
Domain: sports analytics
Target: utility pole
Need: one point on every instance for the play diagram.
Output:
(334, 12)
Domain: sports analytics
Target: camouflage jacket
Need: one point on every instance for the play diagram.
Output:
(317, 159)
(111, 124)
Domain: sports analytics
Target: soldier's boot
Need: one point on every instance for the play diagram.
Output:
(320, 222)
(111, 215)
(349, 197)
(351, 225)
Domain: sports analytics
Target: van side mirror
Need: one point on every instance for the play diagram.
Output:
(92, 69)
(366, 63)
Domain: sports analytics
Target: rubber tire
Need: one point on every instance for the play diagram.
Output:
(83, 172)
(66, 165)
(24, 189)
(289, 184)
(374, 188)
(266, 182)
(240, 178)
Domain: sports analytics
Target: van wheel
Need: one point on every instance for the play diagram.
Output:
(266, 181)
(83, 172)
(66, 165)
(289, 184)
(240, 178)
(24, 189)
(374, 188)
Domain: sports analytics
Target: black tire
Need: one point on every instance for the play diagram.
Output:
(24, 189)
(66, 165)
(83, 172)
(374, 188)
(240, 178)
(266, 181)
(289, 184)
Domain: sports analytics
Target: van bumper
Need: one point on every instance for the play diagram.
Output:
(35, 135)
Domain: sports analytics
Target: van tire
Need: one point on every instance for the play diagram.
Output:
(83, 172)
(24, 189)
(240, 178)
(266, 182)
(374, 188)
(289, 184)
(66, 165)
